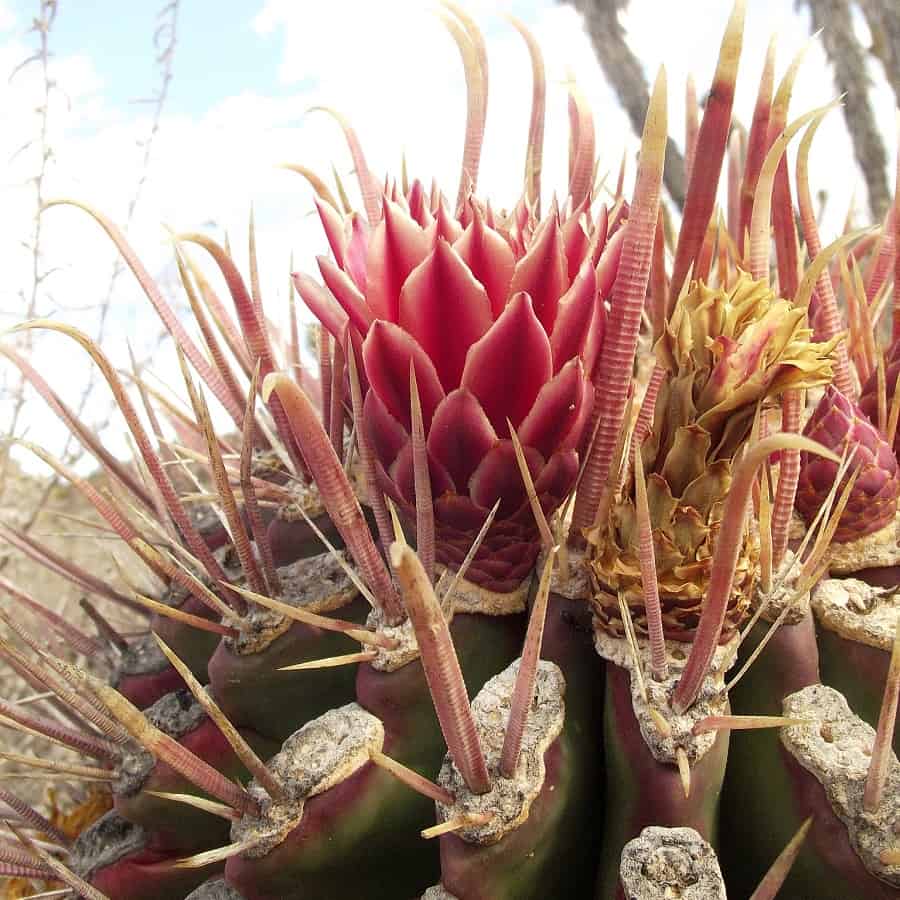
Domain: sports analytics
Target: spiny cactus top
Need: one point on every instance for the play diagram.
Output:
(502, 318)
(725, 352)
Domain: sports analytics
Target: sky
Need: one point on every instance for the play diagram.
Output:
(245, 76)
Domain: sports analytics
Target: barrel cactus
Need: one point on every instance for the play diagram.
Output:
(482, 605)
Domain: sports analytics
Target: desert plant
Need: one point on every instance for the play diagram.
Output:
(493, 432)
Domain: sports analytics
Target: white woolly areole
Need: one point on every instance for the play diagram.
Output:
(837, 749)
(711, 701)
(663, 863)
(320, 755)
(473, 598)
(215, 889)
(407, 649)
(317, 584)
(438, 892)
(881, 548)
(467, 598)
(305, 497)
(509, 799)
(784, 583)
(857, 611)
(575, 582)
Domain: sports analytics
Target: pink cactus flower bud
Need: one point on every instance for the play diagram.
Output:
(838, 423)
(502, 318)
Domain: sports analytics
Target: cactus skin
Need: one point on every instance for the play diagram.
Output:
(346, 833)
(291, 541)
(837, 423)
(143, 689)
(790, 662)
(858, 671)
(537, 857)
(142, 873)
(769, 794)
(342, 843)
(553, 853)
(255, 695)
(193, 646)
(136, 878)
(827, 867)
(191, 830)
(641, 791)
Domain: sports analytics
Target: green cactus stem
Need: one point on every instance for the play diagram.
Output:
(789, 663)
(640, 791)
(347, 831)
(194, 645)
(118, 858)
(854, 628)
(554, 850)
(779, 792)
(334, 843)
(141, 776)
(250, 685)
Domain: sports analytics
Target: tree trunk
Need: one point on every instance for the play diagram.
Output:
(883, 18)
(833, 17)
(625, 73)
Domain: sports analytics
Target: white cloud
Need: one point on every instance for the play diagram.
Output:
(7, 19)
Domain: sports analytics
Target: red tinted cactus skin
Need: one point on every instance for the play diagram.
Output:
(554, 851)
(828, 867)
(838, 424)
(346, 833)
(191, 829)
(858, 671)
(255, 695)
(291, 541)
(145, 689)
(768, 794)
(147, 875)
(642, 791)
(340, 846)
(124, 862)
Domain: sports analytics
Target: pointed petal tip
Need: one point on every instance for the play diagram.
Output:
(272, 382)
